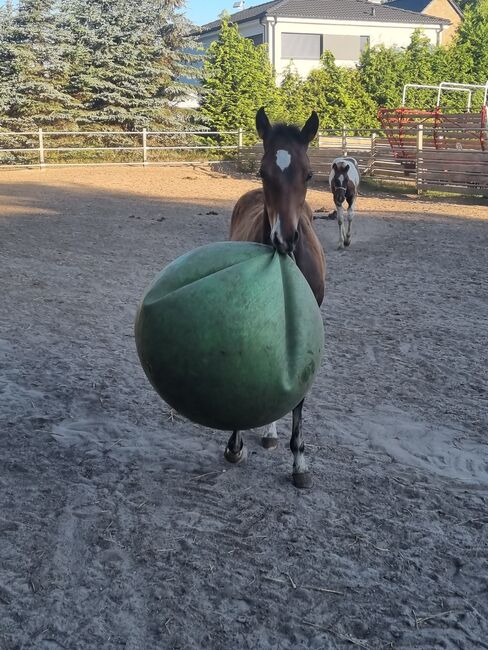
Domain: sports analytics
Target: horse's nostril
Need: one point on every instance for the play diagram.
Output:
(295, 237)
(276, 242)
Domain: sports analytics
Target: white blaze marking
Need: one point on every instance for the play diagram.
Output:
(276, 230)
(283, 159)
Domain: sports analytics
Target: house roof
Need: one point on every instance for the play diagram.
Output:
(419, 5)
(347, 10)
(357, 10)
(242, 16)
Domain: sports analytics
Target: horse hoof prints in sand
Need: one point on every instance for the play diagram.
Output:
(278, 215)
(344, 183)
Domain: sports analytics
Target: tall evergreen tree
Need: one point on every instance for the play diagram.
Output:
(418, 59)
(337, 96)
(381, 75)
(33, 67)
(7, 61)
(128, 62)
(471, 44)
(291, 94)
(238, 79)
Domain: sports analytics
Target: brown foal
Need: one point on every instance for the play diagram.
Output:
(278, 215)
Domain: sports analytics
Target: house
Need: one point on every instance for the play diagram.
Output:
(440, 8)
(299, 31)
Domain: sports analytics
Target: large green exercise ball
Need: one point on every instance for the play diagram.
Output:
(230, 335)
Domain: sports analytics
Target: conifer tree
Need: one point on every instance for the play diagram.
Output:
(238, 79)
(337, 96)
(128, 62)
(381, 75)
(471, 44)
(293, 107)
(7, 62)
(417, 66)
(33, 67)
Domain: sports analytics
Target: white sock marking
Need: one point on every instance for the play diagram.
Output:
(340, 221)
(300, 464)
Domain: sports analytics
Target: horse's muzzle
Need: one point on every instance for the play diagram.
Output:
(285, 247)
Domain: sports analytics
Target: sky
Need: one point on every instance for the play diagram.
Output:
(204, 11)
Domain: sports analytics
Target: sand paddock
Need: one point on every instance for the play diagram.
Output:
(121, 525)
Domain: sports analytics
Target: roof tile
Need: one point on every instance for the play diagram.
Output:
(347, 10)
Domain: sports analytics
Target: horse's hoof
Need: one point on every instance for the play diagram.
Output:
(302, 480)
(236, 457)
(347, 242)
(340, 247)
(269, 443)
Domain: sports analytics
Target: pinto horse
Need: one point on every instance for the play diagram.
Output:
(344, 183)
(278, 215)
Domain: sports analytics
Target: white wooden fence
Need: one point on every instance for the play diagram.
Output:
(454, 162)
(450, 161)
(134, 147)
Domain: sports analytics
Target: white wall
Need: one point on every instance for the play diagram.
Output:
(249, 28)
(379, 34)
(397, 35)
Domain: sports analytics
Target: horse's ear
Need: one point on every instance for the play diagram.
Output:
(310, 129)
(334, 166)
(263, 125)
(346, 168)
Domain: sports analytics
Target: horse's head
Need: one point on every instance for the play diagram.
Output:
(339, 182)
(285, 172)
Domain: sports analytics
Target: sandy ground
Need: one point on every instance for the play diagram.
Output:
(121, 525)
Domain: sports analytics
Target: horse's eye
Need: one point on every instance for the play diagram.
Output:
(309, 176)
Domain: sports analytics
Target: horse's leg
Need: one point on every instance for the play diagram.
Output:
(350, 217)
(235, 452)
(301, 476)
(270, 438)
(340, 221)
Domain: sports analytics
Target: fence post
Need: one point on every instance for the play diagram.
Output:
(41, 149)
(419, 159)
(240, 138)
(144, 146)
(344, 140)
(373, 154)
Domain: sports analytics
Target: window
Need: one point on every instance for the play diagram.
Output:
(301, 46)
(345, 48)
(364, 42)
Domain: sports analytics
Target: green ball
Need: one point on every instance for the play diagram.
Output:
(230, 335)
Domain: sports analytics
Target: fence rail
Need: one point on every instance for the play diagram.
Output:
(455, 164)
(138, 147)
(450, 160)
